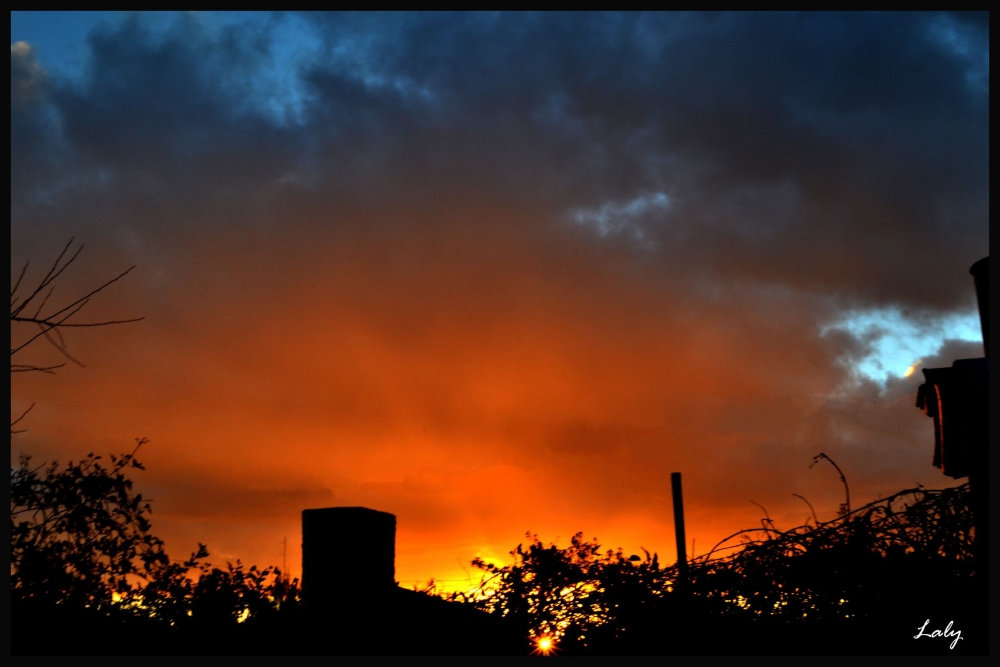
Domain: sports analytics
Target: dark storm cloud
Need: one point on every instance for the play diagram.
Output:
(158, 132)
(792, 140)
(34, 146)
(840, 152)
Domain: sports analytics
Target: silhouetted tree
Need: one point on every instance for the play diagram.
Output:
(78, 533)
(81, 547)
(80, 539)
(568, 597)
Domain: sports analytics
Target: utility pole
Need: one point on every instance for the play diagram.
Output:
(981, 275)
(681, 541)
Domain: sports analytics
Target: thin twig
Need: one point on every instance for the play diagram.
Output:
(843, 479)
(50, 325)
(815, 520)
(16, 421)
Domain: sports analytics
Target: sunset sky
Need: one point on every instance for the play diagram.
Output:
(498, 273)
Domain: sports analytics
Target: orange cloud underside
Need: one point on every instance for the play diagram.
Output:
(475, 388)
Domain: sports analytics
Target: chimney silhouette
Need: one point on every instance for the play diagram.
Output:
(348, 555)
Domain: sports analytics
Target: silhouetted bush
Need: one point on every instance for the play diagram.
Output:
(83, 559)
(78, 533)
(845, 567)
(861, 583)
(569, 594)
(84, 564)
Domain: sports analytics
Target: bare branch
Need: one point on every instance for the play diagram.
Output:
(17, 283)
(764, 509)
(63, 325)
(61, 346)
(843, 479)
(85, 298)
(53, 273)
(50, 324)
(16, 421)
(28, 368)
(802, 498)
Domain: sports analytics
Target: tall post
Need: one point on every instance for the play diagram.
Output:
(979, 471)
(682, 564)
(981, 274)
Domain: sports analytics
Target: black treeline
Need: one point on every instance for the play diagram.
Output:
(87, 578)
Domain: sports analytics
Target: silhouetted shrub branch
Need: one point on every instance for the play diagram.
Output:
(833, 571)
(80, 539)
(838, 568)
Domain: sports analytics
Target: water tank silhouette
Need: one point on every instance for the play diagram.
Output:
(348, 555)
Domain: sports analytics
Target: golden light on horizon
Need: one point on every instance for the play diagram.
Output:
(913, 368)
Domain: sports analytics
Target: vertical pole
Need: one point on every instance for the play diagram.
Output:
(979, 473)
(981, 274)
(682, 564)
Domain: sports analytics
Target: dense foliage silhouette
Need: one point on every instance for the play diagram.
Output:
(82, 551)
(861, 583)
(85, 564)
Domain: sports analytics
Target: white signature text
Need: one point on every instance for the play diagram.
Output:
(946, 633)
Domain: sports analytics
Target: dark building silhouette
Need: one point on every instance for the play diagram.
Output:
(353, 605)
(957, 398)
(348, 553)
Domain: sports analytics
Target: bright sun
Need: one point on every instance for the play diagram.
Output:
(545, 645)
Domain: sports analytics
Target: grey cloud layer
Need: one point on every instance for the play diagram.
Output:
(844, 154)
(815, 140)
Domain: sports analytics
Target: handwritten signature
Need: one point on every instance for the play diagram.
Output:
(946, 633)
